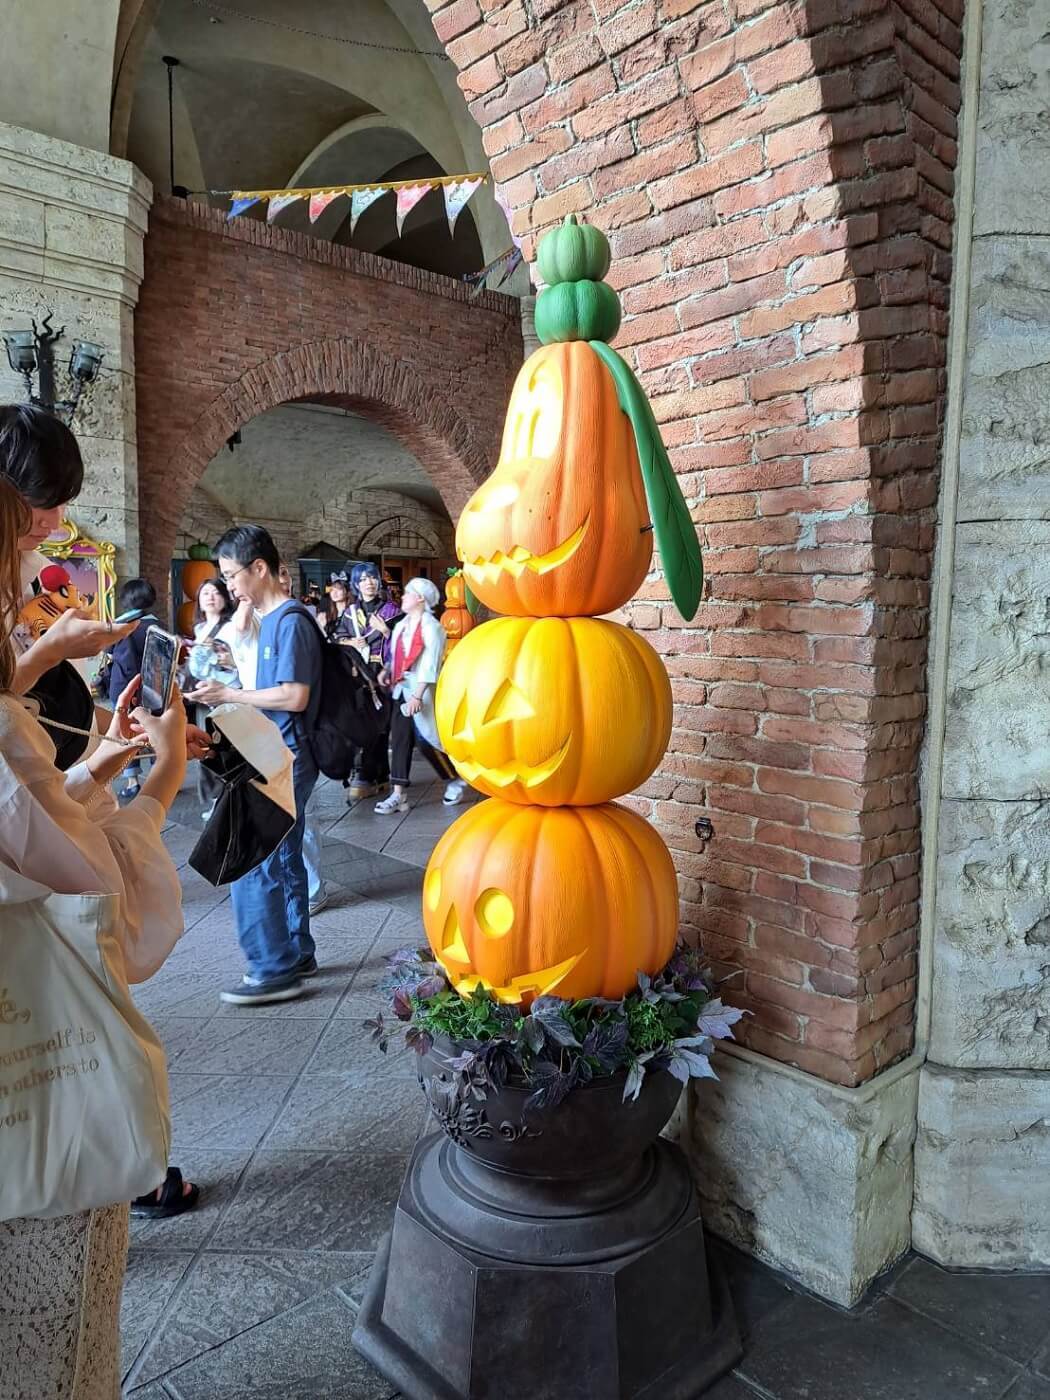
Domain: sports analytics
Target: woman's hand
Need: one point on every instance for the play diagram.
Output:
(379, 625)
(360, 646)
(383, 678)
(413, 705)
(75, 635)
(167, 735)
(121, 726)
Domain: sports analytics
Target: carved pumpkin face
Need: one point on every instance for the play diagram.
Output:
(559, 901)
(554, 711)
(457, 622)
(455, 593)
(560, 528)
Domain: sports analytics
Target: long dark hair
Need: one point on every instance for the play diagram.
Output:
(228, 606)
(14, 521)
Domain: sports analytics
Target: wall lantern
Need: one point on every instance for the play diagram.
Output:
(32, 352)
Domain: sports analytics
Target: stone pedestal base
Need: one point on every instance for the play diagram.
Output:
(499, 1286)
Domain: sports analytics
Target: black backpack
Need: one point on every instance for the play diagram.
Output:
(352, 713)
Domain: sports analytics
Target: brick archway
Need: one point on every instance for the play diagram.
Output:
(234, 320)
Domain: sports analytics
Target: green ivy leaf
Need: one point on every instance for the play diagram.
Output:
(673, 527)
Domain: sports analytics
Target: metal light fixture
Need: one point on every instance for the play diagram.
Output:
(32, 352)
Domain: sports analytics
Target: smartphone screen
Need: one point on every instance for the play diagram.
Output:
(159, 659)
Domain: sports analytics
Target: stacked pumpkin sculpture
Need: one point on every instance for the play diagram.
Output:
(457, 619)
(550, 887)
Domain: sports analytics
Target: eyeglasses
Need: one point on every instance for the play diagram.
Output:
(228, 578)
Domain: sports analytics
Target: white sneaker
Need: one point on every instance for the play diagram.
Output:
(454, 793)
(392, 805)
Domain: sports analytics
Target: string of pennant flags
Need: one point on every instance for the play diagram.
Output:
(457, 190)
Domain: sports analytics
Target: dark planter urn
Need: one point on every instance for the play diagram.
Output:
(548, 1254)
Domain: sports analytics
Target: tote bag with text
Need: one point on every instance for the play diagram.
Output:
(84, 1118)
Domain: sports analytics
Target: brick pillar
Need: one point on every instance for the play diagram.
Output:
(776, 181)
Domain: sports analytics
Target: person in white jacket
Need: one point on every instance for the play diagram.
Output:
(65, 833)
(417, 649)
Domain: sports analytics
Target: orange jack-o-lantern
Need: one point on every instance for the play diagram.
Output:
(553, 710)
(558, 901)
(561, 527)
(457, 622)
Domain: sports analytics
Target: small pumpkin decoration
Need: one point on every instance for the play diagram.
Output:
(457, 622)
(561, 527)
(554, 711)
(574, 252)
(550, 901)
(455, 590)
(200, 550)
(577, 311)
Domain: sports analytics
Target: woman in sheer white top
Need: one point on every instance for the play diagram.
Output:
(62, 1277)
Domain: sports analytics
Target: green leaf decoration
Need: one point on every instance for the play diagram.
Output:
(473, 606)
(673, 527)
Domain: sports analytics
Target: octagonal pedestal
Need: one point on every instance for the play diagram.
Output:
(514, 1285)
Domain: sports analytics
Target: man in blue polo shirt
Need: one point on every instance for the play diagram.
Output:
(271, 902)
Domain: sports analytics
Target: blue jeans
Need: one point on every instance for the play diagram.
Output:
(271, 904)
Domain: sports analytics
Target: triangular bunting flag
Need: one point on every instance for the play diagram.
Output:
(319, 203)
(407, 199)
(239, 205)
(361, 200)
(501, 201)
(278, 203)
(456, 196)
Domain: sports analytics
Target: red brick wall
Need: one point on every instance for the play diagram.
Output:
(236, 318)
(776, 181)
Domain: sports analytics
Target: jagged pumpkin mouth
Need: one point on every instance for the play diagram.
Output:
(519, 559)
(530, 775)
(494, 917)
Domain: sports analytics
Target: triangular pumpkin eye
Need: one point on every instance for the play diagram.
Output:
(461, 725)
(508, 703)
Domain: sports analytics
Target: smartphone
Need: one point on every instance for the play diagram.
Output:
(160, 658)
(132, 615)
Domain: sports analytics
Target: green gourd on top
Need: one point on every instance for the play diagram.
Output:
(576, 304)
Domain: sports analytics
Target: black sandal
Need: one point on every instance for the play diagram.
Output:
(172, 1200)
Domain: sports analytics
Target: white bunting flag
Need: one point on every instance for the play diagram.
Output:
(457, 195)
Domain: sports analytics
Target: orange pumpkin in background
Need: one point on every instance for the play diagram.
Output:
(457, 622)
(512, 733)
(550, 901)
(561, 527)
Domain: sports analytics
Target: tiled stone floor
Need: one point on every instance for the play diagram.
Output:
(298, 1130)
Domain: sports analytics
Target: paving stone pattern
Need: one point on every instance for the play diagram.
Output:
(299, 1130)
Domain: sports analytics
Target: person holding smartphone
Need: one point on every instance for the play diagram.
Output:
(64, 832)
(271, 903)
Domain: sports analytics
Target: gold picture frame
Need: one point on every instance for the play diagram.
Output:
(91, 565)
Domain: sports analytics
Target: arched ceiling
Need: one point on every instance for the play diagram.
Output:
(267, 97)
(293, 458)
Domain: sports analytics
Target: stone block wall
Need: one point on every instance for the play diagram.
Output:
(983, 1147)
(71, 227)
(776, 181)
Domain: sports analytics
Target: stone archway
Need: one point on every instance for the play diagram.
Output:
(234, 320)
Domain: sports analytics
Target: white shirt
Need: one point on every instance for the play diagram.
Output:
(423, 672)
(68, 834)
